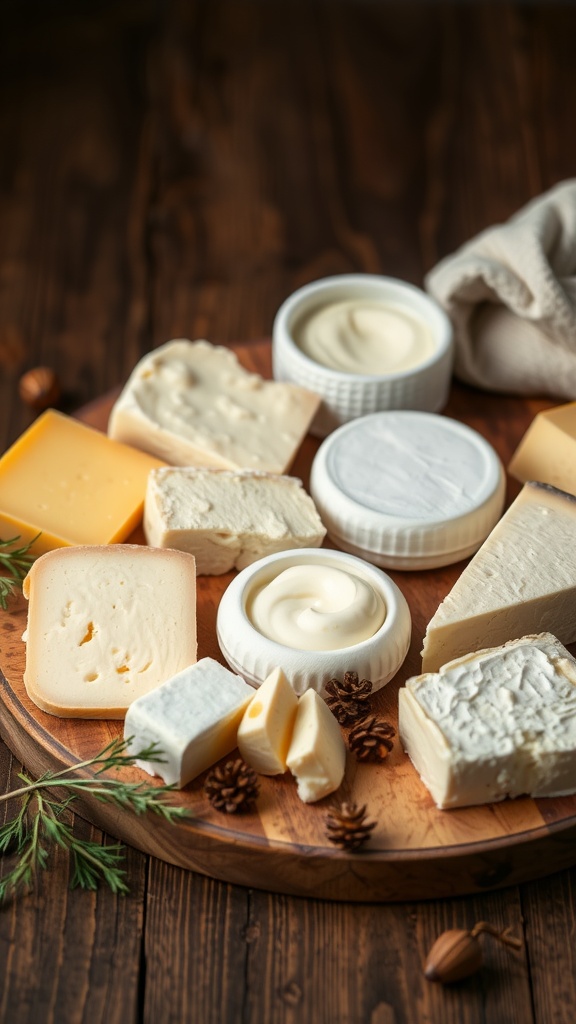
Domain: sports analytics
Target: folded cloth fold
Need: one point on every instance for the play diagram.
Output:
(511, 295)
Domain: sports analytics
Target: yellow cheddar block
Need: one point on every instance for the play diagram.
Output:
(547, 452)
(71, 484)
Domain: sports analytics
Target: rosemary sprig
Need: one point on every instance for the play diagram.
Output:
(38, 823)
(17, 561)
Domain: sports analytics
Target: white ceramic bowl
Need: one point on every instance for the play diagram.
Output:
(348, 395)
(254, 656)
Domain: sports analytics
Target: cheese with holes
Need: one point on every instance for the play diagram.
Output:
(317, 752)
(547, 452)
(495, 724)
(72, 484)
(192, 718)
(228, 519)
(265, 731)
(193, 404)
(521, 581)
(106, 625)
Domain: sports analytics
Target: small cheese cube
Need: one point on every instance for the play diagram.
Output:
(265, 731)
(193, 719)
(106, 625)
(192, 404)
(317, 752)
(547, 452)
(72, 484)
(227, 519)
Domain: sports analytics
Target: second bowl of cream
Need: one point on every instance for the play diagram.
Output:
(364, 343)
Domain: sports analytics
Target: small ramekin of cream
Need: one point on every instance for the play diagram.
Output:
(364, 343)
(316, 614)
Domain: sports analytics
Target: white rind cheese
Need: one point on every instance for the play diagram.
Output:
(522, 580)
(499, 723)
(266, 728)
(193, 719)
(317, 753)
(193, 404)
(228, 519)
(107, 624)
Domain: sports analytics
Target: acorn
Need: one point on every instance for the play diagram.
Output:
(457, 954)
(39, 388)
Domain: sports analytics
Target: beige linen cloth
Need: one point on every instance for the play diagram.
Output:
(511, 295)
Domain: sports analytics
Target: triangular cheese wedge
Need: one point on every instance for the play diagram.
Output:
(522, 580)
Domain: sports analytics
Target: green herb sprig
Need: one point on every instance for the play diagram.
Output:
(38, 824)
(17, 562)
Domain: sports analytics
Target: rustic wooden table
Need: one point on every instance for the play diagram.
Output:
(177, 169)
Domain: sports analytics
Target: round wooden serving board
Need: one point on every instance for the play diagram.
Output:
(415, 852)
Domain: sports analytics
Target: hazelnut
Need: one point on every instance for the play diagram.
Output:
(39, 388)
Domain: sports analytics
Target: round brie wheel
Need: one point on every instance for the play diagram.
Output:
(408, 490)
(254, 656)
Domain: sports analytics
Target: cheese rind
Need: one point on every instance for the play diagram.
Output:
(317, 752)
(228, 519)
(265, 731)
(495, 724)
(106, 625)
(192, 718)
(193, 404)
(71, 484)
(547, 452)
(521, 581)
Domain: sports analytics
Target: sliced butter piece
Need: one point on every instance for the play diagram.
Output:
(547, 452)
(193, 719)
(192, 404)
(317, 752)
(521, 581)
(266, 729)
(228, 519)
(106, 625)
(498, 723)
(71, 484)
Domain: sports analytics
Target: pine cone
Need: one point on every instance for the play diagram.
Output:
(233, 788)
(371, 739)
(346, 826)
(347, 699)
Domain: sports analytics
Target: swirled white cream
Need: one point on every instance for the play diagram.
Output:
(365, 336)
(317, 608)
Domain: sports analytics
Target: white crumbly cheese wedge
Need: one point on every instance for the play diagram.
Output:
(317, 752)
(265, 731)
(521, 581)
(228, 519)
(192, 718)
(193, 404)
(498, 723)
(107, 624)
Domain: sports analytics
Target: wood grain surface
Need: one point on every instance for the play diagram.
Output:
(178, 168)
(415, 850)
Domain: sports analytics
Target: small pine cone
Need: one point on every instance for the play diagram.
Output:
(371, 739)
(233, 788)
(347, 699)
(346, 826)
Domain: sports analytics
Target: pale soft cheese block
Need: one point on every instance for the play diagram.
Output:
(521, 581)
(228, 519)
(317, 752)
(495, 724)
(107, 624)
(265, 731)
(193, 404)
(192, 718)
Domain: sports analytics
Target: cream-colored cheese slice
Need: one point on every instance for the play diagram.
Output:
(317, 752)
(495, 724)
(265, 731)
(521, 581)
(192, 719)
(193, 404)
(107, 624)
(228, 519)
